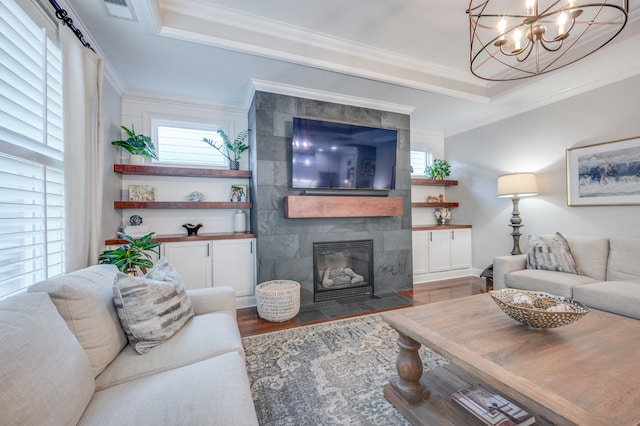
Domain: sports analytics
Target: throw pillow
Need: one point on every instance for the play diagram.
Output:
(45, 374)
(552, 255)
(84, 299)
(151, 308)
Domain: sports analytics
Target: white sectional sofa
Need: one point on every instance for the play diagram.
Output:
(608, 274)
(66, 360)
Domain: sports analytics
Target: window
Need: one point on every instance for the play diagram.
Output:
(31, 153)
(181, 143)
(420, 159)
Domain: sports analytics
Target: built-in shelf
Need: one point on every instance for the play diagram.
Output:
(176, 238)
(436, 205)
(315, 206)
(433, 182)
(180, 205)
(131, 169)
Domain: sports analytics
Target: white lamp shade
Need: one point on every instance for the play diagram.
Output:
(517, 185)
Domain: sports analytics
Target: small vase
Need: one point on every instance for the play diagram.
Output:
(234, 165)
(137, 159)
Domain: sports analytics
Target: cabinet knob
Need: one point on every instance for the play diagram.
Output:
(453, 234)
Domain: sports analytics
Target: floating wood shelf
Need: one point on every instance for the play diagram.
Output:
(436, 205)
(315, 206)
(175, 238)
(433, 182)
(180, 205)
(131, 169)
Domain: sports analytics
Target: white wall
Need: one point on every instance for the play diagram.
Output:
(112, 182)
(536, 141)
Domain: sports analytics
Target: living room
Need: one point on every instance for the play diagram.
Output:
(218, 70)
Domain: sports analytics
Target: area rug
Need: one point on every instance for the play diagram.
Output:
(327, 374)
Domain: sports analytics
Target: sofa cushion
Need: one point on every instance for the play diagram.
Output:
(548, 281)
(85, 300)
(551, 254)
(151, 310)
(624, 256)
(620, 297)
(202, 337)
(45, 373)
(212, 391)
(590, 254)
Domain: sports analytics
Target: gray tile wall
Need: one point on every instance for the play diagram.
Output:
(285, 245)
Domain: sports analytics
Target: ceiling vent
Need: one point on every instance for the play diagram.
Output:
(119, 9)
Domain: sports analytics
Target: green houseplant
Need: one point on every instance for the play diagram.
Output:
(137, 144)
(438, 170)
(231, 150)
(133, 256)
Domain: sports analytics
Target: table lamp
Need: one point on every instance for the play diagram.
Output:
(516, 185)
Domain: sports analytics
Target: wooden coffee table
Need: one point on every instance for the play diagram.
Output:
(585, 373)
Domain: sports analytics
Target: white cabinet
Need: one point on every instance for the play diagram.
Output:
(419, 245)
(212, 263)
(234, 265)
(441, 254)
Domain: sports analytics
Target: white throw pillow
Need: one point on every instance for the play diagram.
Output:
(45, 374)
(85, 300)
(151, 308)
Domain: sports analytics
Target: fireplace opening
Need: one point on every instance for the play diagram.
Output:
(342, 269)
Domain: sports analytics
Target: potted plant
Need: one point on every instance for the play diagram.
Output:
(440, 169)
(231, 150)
(139, 145)
(133, 256)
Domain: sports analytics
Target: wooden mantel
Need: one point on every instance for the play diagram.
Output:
(319, 206)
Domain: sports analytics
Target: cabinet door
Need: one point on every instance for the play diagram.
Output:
(460, 248)
(234, 265)
(192, 260)
(439, 244)
(419, 243)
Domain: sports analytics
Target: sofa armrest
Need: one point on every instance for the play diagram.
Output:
(213, 299)
(502, 265)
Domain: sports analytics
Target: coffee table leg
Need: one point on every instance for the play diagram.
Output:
(409, 366)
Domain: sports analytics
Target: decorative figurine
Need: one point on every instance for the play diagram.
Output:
(135, 220)
(192, 229)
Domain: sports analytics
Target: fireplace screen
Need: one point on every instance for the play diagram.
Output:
(342, 269)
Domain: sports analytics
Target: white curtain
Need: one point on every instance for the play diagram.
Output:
(83, 151)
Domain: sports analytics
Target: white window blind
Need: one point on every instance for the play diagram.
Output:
(420, 159)
(181, 143)
(31, 153)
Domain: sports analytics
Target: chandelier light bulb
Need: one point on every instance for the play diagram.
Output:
(562, 19)
(502, 25)
(517, 36)
(530, 4)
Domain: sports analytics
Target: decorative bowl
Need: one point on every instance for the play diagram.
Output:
(538, 309)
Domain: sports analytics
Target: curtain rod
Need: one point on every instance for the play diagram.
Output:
(62, 15)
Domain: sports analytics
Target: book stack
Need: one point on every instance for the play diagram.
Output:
(492, 409)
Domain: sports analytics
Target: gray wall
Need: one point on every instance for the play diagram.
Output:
(112, 182)
(285, 245)
(536, 141)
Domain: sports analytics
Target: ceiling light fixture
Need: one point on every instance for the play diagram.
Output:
(511, 40)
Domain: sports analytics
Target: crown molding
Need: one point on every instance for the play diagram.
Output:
(185, 101)
(274, 39)
(321, 95)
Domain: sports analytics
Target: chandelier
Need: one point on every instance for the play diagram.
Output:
(511, 40)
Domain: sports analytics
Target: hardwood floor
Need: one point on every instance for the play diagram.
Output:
(251, 324)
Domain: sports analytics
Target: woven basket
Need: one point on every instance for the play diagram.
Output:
(278, 300)
(538, 309)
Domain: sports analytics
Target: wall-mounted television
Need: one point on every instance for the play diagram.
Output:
(339, 156)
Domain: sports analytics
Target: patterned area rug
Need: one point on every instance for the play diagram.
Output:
(327, 374)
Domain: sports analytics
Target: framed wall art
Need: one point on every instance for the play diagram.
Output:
(602, 174)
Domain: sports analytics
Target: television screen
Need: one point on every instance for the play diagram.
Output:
(330, 155)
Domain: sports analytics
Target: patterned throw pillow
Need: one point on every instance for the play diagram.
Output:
(151, 308)
(552, 255)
